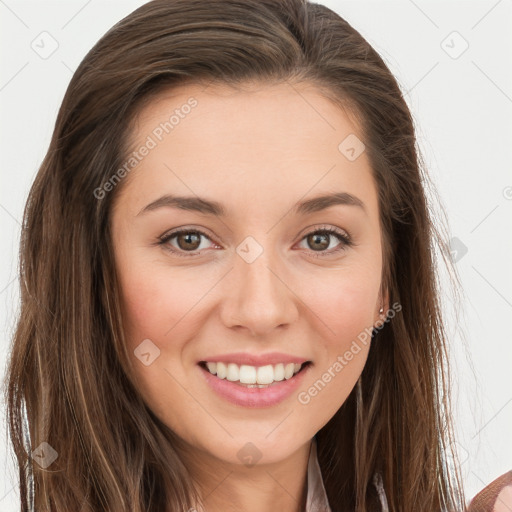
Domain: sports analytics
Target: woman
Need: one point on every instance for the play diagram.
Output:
(228, 293)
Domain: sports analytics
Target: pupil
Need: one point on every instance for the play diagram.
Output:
(326, 241)
(187, 237)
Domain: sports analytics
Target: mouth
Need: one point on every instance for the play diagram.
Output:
(248, 376)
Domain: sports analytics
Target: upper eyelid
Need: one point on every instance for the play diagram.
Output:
(169, 234)
(341, 233)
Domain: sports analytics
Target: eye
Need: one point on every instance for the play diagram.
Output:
(320, 239)
(187, 240)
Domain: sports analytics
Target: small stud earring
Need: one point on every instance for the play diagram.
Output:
(381, 310)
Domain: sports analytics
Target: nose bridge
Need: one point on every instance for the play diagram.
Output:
(258, 299)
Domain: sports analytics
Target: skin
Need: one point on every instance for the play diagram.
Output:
(504, 500)
(258, 152)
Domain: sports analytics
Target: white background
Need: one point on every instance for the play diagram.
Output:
(463, 111)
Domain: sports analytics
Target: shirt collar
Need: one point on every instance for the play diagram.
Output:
(316, 500)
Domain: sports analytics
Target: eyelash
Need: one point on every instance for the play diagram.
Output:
(344, 238)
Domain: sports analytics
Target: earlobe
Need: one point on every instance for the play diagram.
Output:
(385, 303)
(383, 308)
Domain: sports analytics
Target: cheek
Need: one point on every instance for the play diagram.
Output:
(153, 311)
(157, 307)
(348, 309)
(343, 302)
(155, 304)
(344, 308)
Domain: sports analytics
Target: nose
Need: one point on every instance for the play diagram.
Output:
(258, 297)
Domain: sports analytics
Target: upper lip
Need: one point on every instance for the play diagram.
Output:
(241, 358)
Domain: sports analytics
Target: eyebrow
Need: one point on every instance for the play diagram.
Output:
(208, 207)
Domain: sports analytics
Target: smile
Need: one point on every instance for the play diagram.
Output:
(254, 386)
(253, 376)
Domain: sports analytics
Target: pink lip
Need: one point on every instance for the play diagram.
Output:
(254, 397)
(255, 360)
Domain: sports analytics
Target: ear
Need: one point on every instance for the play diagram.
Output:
(382, 303)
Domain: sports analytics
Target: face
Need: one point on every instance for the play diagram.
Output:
(259, 274)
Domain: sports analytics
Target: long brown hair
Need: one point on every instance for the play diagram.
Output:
(69, 375)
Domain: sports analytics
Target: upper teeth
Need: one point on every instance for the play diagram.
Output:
(253, 374)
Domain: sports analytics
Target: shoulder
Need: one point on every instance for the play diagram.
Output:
(495, 497)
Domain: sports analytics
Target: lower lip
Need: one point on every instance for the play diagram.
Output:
(254, 397)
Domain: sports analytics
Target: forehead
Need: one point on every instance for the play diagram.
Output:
(255, 111)
(262, 141)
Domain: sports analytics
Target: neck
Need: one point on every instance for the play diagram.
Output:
(226, 487)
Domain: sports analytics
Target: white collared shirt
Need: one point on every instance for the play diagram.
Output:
(316, 500)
